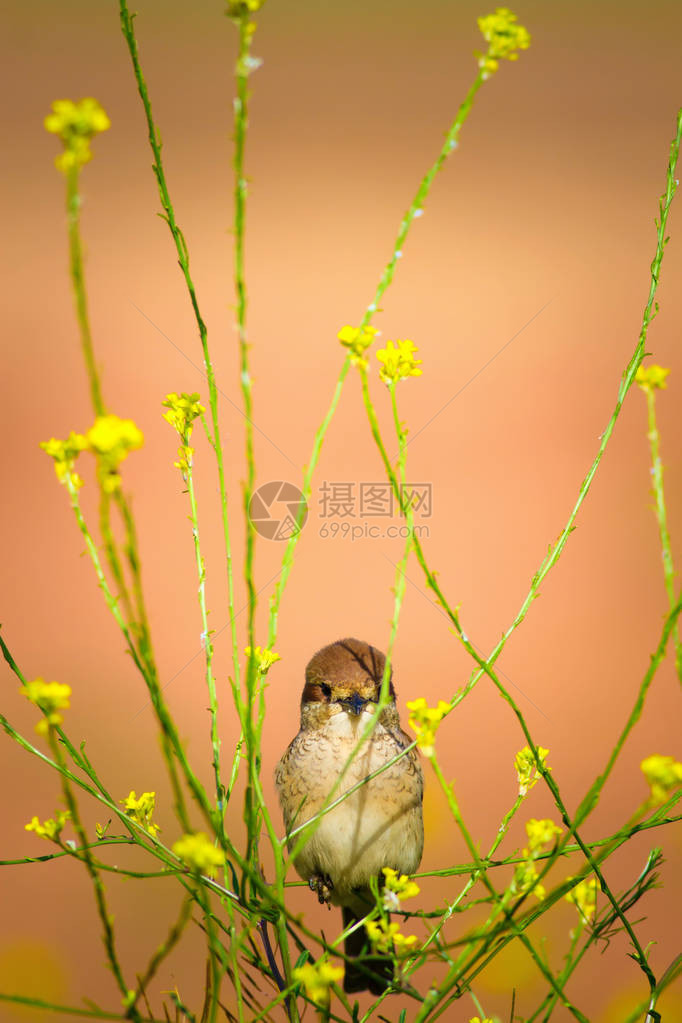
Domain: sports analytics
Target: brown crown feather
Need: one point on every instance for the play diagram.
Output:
(350, 663)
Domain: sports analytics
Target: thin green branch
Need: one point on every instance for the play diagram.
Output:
(415, 210)
(205, 633)
(98, 887)
(501, 906)
(661, 516)
(625, 385)
(73, 206)
(127, 26)
(243, 68)
(91, 1012)
(589, 801)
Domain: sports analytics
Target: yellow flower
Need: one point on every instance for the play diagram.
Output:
(424, 720)
(525, 879)
(652, 378)
(357, 341)
(65, 453)
(397, 887)
(477, 1019)
(400, 883)
(398, 361)
(50, 829)
(663, 775)
(111, 439)
(76, 124)
(264, 657)
(183, 409)
(184, 462)
(387, 937)
(584, 897)
(540, 832)
(51, 697)
(526, 769)
(317, 978)
(504, 38)
(141, 810)
(199, 853)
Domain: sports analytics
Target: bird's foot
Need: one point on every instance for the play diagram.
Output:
(322, 885)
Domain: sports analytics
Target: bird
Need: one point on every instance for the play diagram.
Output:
(379, 825)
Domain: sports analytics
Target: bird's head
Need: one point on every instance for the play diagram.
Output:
(343, 678)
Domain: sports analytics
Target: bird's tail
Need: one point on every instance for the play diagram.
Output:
(365, 970)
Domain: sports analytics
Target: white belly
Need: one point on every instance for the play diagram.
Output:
(378, 826)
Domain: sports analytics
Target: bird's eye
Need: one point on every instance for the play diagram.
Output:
(326, 690)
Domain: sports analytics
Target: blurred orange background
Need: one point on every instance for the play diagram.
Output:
(540, 229)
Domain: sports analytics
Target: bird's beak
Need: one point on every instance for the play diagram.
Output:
(355, 704)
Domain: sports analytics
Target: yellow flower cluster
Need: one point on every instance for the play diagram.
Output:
(264, 658)
(541, 832)
(526, 769)
(584, 897)
(51, 697)
(525, 880)
(663, 775)
(113, 439)
(64, 453)
(110, 439)
(199, 853)
(397, 887)
(398, 361)
(504, 38)
(424, 720)
(655, 377)
(357, 341)
(141, 810)
(76, 124)
(387, 937)
(317, 978)
(50, 829)
(401, 884)
(183, 409)
(477, 1019)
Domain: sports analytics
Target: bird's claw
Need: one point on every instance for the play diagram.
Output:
(322, 885)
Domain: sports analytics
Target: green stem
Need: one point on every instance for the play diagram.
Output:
(481, 958)
(501, 907)
(205, 631)
(414, 210)
(625, 385)
(252, 814)
(92, 1011)
(172, 747)
(73, 205)
(661, 516)
(98, 886)
(127, 26)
